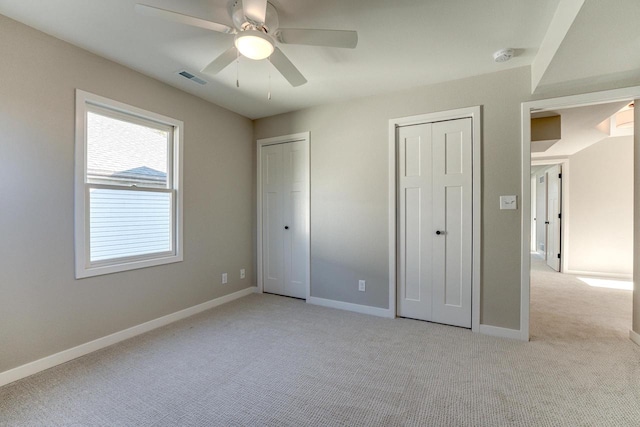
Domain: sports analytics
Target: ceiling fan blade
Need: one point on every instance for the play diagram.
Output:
(169, 15)
(286, 68)
(221, 62)
(255, 10)
(330, 38)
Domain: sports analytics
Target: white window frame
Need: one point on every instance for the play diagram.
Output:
(86, 102)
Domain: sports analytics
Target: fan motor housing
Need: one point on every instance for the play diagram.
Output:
(242, 23)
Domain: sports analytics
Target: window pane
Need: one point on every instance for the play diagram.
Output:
(126, 223)
(124, 153)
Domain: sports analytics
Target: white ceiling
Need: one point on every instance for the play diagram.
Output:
(580, 128)
(602, 45)
(402, 44)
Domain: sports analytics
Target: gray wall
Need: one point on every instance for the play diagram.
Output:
(43, 310)
(349, 187)
(349, 184)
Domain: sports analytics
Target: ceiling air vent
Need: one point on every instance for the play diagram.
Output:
(188, 75)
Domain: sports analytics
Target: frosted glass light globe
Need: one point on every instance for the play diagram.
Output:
(254, 44)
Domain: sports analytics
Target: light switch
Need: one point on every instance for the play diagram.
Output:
(508, 202)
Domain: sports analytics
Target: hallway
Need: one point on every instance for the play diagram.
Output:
(564, 308)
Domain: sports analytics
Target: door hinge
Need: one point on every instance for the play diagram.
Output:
(560, 216)
(558, 256)
(560, 175)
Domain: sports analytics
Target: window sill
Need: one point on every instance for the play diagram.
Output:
(84, 272)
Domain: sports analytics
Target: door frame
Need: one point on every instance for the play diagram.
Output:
(615, 95)
(474, 113)
(297, 137)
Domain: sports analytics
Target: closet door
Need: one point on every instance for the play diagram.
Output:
(285, 216)
(452, 219)
(296, 200)
(415, 220)
(435, 222)
(272, 220)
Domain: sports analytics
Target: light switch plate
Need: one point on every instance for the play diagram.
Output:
(508, 202)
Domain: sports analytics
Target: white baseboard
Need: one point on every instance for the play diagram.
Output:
(622, 276)
(358, 308)
(635, 337)
(497, 331)
(97, 344)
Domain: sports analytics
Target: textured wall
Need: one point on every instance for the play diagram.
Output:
(43, 309)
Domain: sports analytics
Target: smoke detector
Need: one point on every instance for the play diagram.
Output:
(503, 55)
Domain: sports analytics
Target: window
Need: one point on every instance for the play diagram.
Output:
(127, 194)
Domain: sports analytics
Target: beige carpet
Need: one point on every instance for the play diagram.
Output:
(564, 308)
(268, 360)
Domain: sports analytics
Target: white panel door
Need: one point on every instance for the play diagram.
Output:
(534, 186)
(296, 199)
(285, 213)
(553, 217)
(415, 218)
(452, 219)
(541, 214)
(435, 222)
(272, 220)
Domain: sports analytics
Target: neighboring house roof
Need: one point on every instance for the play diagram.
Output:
(120, 151)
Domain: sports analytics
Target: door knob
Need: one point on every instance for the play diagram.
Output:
(439, 232)
(286, 227)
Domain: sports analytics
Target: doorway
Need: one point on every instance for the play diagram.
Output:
(434, 224)
(547, 211)
(608, 99)
(283, 216)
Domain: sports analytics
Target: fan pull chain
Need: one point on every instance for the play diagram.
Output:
(269, 92)
(238, 69)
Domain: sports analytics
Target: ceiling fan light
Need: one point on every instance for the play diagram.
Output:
(254, 44)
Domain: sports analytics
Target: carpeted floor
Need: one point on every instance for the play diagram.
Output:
(268, 360)
(564, 308)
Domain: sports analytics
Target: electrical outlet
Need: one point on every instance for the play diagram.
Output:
(242, 273)
(224, 278)
(362, 285)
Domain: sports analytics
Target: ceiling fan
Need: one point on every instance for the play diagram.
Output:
(256, 31)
